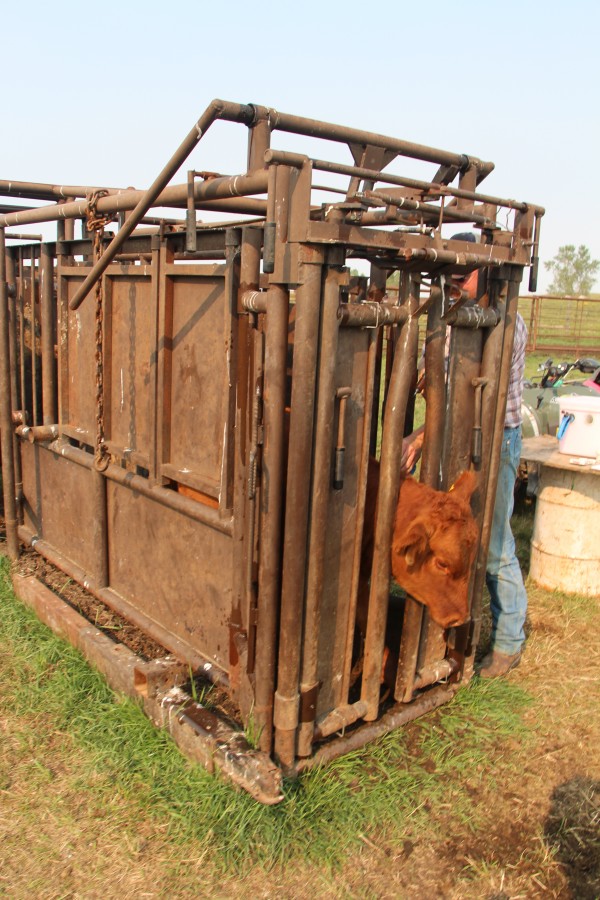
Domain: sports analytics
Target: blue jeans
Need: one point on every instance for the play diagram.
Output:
(503, 575)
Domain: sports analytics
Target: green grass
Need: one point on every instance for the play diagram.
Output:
(390, 786)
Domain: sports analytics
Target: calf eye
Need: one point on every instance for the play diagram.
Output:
(441, 565)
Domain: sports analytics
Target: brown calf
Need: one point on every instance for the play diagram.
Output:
(433, 546)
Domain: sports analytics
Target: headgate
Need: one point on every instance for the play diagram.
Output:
(191, 438)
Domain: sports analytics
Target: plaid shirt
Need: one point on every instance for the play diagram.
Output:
(512, 418)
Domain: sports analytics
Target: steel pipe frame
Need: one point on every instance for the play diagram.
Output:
(297, 159)
(283, 292)
(216, 109)
(404, 365)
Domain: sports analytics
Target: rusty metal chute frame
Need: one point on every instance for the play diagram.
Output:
(228, 523)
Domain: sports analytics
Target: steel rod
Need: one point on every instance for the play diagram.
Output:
(48, 327)
(14, 383)
(321, 488)
(371, 314)
(6, 428)
(314, 128)
(404, 366)
(286, 711)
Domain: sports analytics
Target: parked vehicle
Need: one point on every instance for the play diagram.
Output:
(540, 407)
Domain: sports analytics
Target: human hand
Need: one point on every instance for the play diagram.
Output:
(412, 447)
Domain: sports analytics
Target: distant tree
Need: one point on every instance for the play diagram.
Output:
(573, 271)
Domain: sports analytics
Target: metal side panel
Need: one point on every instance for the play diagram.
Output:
(58, 503)
(130, 365)
(174, 569)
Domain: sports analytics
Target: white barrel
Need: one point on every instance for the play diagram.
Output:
(565, 547)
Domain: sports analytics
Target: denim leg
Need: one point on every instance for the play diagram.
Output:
(503, 575)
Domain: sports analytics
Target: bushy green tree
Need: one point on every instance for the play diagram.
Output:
(573, 271)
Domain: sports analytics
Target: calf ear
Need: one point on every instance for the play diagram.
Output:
(465, 485)
(415, 545)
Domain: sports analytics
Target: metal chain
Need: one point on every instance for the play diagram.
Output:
(96, 223)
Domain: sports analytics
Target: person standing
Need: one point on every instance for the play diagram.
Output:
(508, 597)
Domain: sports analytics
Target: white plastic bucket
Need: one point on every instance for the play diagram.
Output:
(579, 428)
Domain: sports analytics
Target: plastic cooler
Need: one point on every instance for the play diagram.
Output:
(579, 428)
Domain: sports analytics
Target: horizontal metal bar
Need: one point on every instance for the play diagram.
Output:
(371, 314)
(473, 317)
(166, 497)
(218, 189)
(437, 671)
(279, 121)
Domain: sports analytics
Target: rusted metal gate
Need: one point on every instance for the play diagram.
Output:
(204, 473)
(556, 324)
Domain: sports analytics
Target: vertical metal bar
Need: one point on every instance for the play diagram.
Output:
(48, 331)
(271, 506)
(62, 332)
(164, 360)
(11, 279)
(190, 216)
(6, 426)
(273, 461)
(155, 296)
(21, 316)
(247, 409)
(377, 293)
(321, 490)
(435, 395)
(99, 529)
(415, 615)
(496, 366)
(33, 332)
(259, 141)
(286, 710)
(14, 382)
(371, 413)
(464, 366)
(405, 361)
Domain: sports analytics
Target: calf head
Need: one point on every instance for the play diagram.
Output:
(433, 546)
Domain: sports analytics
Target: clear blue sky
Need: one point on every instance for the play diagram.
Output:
(104, 92)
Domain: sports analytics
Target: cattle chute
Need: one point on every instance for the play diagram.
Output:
(200, 465)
